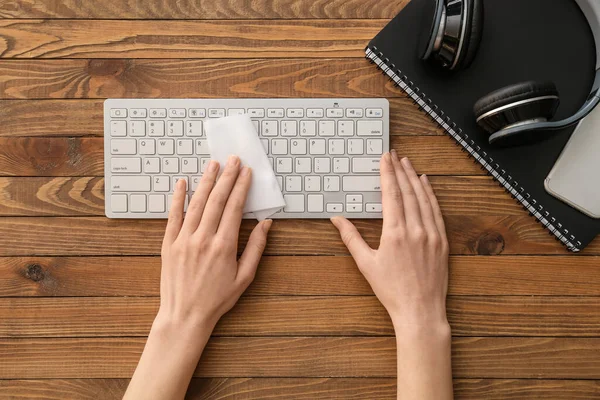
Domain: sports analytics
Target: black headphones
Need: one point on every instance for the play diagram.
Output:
(514, 114)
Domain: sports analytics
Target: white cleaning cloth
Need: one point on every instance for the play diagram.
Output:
(236, 135)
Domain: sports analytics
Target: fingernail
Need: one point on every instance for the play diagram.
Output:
(180, 184)
(406, 162)
(425, 179)
(394, 155)
(267, 225)
(387, 158)
(245, 171)
(212, 166)
(232, 160)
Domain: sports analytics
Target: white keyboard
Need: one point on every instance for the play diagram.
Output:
(325, 152)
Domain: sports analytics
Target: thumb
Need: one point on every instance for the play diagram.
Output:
(250, 258)
(357, 246)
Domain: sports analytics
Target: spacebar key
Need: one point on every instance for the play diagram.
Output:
(361, 183)
(130, 183)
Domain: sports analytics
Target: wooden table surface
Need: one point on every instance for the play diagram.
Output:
(78, 291)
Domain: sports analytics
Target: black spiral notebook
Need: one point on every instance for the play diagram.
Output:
(522, 40)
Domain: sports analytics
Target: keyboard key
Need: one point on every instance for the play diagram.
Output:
(331, 183)
(178, 178)
(341, 165)
(137, 203)
(216, 112)
(335, 207)
(126, 165)
(354, 113)
(374, 208)
(118, 203)
(158, 113)
(175, 128)
(156, 203)
(256, 112)
(322, 165)
(354, 198)
(298, 146)
(317, 146)
(279, 146)
(303, 165)
(265, 144)
(161, 184)
(166, 147)
(272, 162)
(361, 183)
(315, 113)
(294, 203)
(123, 146)
(280, 181)
(138, 113)
(156, 128)
(356, 147)
(354, 208)
(269, 128)
(336, 146)
(189, 166)
(193, 128)
(293, 183)
(236, 111)
(374, 146)
(289, 128)
(369, 128)
(312, 183)
(137, 128)
(152, 165)
(118, 113)
(256, 126)
(315, 203)
(203, 164)
(326, 128)
(374, 113)
(138, 183)
(202, 147)
(147, 147)
(118, 128)
(197, 113)
(185, 147)
(170, 165)
(275, 113)
(335, 112)
(295, 112)
(308, 128)
(283, 165)
(362, 165)
(177, 113)
(345, 128)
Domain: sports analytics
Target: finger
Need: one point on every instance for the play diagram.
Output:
(219, 195)
(437, 212)
(422, 197)
(412, 212)
(359, 249)
(393, 211)
(176, 212)
(234, 209)
(252, 253)
(198, 202)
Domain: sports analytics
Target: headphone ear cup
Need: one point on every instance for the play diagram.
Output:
(432, 20)
(473, 34)
(513, 104)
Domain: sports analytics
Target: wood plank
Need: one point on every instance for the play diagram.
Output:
(36, 196)
(299, 275)
(301, 316)
(541, 358)
(483, 235)
(86, 118)
(26, 38)
(204, 9)
(303, 389)
(246, 78)
(54, 156)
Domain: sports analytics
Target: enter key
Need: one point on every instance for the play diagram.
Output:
(365, 165)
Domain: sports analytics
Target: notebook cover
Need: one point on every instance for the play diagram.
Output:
(522, 40)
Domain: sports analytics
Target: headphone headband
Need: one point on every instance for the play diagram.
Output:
(591, 10)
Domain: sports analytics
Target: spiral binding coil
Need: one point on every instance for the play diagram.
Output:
(487, 163)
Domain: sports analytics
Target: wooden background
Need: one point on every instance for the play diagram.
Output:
(78, 292)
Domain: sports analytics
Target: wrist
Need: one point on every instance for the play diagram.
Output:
(436, 329)
(169, 327)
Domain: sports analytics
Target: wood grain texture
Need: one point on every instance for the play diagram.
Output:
(146, 78)
(36, 156)
(186, 39)
(299, 275)
(541, 358)
(201, 9)
(86, 118)
(303, 389)
(483, 235)
(301, 316)
(64, 196)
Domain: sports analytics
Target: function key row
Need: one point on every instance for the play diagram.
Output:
(253, 112)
